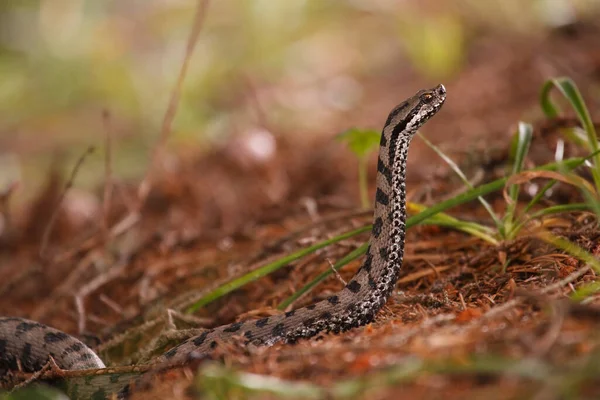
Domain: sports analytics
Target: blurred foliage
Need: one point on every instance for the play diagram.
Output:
(361, 142)
(63, 62)
(39, 392)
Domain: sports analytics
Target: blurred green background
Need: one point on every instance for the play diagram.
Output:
(294, 65)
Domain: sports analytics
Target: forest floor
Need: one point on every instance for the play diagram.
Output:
(469, 319)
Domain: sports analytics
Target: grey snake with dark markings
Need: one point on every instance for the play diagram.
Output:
(26, 345)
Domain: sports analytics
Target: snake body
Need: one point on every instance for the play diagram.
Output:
(26, 345)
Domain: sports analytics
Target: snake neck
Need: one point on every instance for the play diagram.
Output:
(360, 300)
(378, 275)
(388, 245)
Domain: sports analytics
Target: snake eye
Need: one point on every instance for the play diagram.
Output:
(427, 97)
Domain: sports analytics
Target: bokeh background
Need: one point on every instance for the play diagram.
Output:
(72, 69)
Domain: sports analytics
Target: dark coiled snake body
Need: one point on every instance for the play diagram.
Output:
(26, 345)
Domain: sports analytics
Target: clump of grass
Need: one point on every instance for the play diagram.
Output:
(421, 217)
(589, 139)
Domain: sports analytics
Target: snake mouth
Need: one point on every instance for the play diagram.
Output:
(441, 90)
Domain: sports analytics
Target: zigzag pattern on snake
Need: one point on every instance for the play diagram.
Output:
(26, 345)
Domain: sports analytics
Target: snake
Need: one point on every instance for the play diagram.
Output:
(27, 345)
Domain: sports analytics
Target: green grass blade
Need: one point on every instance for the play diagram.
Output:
(548, 107)
(538, 196)
(483, 190)
(472, 228)
(570, 91)
(519, 149)
(576, 251)
(348, 258)
(269, 268)
(586, 290)
(462, 176)
(562, 208)
(565, 168)
(455, 201)
(592, 201)
(564, 177)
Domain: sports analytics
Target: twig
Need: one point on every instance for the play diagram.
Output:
(93, 285)
(496, 310)
(80, 314)
(22, 276)
(50, 366)
(67, 286)
(342, 216)
(422, 273)
(311, 207)
(568, 279)
(474, 181)
(169, 332)
(146, 183)
(108, 183)
(113, 305)
(462, 301)
(68, 186)
(335, 271)
(118, 229)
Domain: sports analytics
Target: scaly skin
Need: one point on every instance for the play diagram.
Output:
(29, 343)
